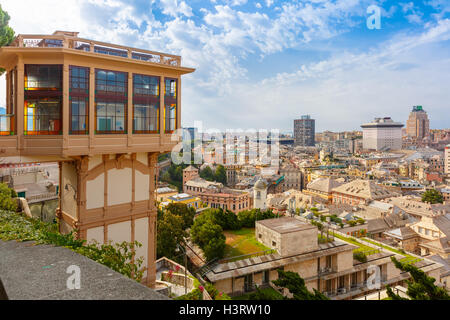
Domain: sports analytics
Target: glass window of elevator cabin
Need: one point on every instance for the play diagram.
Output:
(79, 99)
(111, 88)
(145, 104)
(170, 105)
(43, 100)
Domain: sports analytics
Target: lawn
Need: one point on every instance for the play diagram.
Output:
(241, 242)
(408, 258)
(364, 248)
(361, 247)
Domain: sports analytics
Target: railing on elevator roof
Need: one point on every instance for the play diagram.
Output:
(70, 40)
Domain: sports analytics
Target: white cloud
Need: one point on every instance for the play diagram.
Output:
(348, 89)
(398, 73)
(413, 15)
(175, 7)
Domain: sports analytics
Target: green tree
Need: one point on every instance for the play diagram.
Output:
(6, 198)
(432, 196)
(207, 174)
(170, 232)
(6, 32)
(420, 287)
(265, 295)
(227, 219)
(248, 218)
(296, 285)
(174, 176)
(208, 236)
(165, 177)
(183, 211)
(221, 174)
(215, 248)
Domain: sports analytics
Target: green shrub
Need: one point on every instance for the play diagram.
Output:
(16, 226)
(335, 219)
(360, 256)
(117, 256)
(6, 198)
(352, 223)
(317, 224)
(195, 294)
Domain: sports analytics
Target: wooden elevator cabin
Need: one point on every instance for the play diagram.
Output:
(104, 112)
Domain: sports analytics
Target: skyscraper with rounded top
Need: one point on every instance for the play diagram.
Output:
(418, 124)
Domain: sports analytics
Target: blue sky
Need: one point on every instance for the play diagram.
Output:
(260, 64)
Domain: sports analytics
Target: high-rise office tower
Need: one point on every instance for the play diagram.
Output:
(304, 131)
(382, 134)
(418, 125)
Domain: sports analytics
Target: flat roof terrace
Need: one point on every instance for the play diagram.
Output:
(285, 225)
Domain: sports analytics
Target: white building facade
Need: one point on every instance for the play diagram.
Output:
(382, 134)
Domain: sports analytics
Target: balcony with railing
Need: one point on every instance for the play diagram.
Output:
(354, 288)
(70, 40)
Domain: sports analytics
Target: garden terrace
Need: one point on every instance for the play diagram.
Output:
(369, 250)
(242, 244)
(272, 261)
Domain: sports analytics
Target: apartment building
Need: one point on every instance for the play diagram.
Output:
(360, 192)
(328, 267)
(304, 131)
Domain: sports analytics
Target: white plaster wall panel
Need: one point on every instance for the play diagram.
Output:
(141, 236)
(142, 188)
(94, 161)
(96, 234)
(142, 157)
(95, 192)
(68, 197)
(119, 232)
(119, 186)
